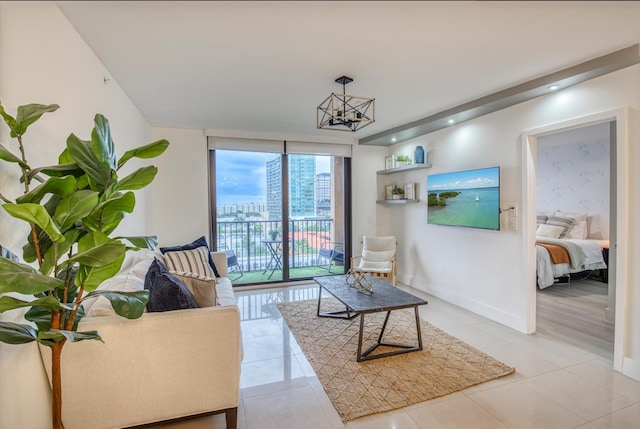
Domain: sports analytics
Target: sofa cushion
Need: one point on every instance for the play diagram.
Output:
(224, 292)
(194, 261)
(101, 306)
(166, 292)
(202, 288)
(198, 243)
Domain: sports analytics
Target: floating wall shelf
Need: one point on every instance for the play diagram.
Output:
(396, 201)
(405, 168)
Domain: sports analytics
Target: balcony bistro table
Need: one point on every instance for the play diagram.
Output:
(275, 263)
(384, 298)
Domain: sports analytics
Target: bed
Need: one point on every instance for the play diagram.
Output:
(562, 247)
(585, 255)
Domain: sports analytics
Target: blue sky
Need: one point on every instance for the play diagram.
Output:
(485, 178)
(240, 176)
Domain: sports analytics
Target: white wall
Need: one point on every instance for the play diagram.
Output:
(43, 60)
(476, 269)
(181, 189)
(572, 175)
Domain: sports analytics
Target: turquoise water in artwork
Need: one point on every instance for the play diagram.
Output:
(477, 208)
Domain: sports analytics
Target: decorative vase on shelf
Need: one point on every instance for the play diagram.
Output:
(418, 155)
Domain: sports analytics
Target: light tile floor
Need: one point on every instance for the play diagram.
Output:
(555, 385)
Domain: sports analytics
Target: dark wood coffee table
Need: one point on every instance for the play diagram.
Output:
(384, 298)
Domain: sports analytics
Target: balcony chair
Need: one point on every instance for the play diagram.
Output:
(232, 262)
(378, 258)
(331, 252)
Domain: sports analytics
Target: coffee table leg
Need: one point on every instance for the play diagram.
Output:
(359, 356)
(347, 313)
(418, 328)
(401, 348)
(384, 326)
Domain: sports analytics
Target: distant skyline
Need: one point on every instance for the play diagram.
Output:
(240, 176)
(471, 179)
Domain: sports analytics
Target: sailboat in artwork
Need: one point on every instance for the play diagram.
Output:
(477, 198)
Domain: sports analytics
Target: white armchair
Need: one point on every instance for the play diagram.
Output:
(378, 258)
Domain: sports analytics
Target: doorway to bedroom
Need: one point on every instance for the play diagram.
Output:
(575, 206)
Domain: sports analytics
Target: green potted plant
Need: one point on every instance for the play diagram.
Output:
(397, 193)
(72, 209)
(402, 160)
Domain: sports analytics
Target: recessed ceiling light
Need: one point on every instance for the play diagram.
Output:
(393, 139)
(553, 87)
(450, 121)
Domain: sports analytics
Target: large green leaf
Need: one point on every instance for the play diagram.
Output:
(92, 277)
(61, 186)
(144, 152)
(65, 158)
(30, 113)
(29, 249)
(9, 120)
(48, 302)
(16, 333)
(126, 304)
(101, 142)
(81, 152)
(48, 338)
(137, 180)
(35, 214)
(97, 254)
(8, 156)
(57, 250)
(59, 170)
(110, 211)
(40, 316)
(21, 278)
(142, 242)
(75, 207)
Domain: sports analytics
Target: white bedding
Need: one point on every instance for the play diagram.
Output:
(586, 255)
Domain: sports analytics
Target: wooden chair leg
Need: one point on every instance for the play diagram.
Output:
(231, 415)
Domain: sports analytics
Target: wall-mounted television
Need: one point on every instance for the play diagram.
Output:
(468, 198)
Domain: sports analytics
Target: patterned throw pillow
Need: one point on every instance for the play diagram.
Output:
(565, 222)
(197, 243)
(166, 292)
(190, 261)
(541, 220)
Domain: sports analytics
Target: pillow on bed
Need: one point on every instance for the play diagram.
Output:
(541, 219)
(578, 231)
(565, 222)
(577, 216)
(549, 231)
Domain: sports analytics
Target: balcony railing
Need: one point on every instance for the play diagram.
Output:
(254, 243)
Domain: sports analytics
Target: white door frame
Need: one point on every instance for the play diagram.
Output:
(529, 142)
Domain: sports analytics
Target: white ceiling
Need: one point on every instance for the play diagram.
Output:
(264, 67)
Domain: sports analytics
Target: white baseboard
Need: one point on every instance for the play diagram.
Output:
(510, 320)
(631, 368)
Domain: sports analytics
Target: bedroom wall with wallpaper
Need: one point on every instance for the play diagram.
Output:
(573, 173)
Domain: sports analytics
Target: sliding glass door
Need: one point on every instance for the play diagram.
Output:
(279, 216)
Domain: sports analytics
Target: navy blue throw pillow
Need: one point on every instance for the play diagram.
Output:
(198, 243)
(166, 292)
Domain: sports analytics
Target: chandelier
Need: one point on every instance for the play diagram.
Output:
(345, 112)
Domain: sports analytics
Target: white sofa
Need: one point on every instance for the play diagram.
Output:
(162, 366)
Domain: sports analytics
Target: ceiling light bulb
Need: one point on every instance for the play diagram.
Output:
(553, 87)
(451, 121)
(393, 139)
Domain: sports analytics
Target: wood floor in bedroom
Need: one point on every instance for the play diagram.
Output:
(574, 314)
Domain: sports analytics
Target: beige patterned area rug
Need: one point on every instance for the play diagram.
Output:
(356, 389)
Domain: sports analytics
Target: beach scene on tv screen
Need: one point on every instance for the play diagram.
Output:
(465, 198)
